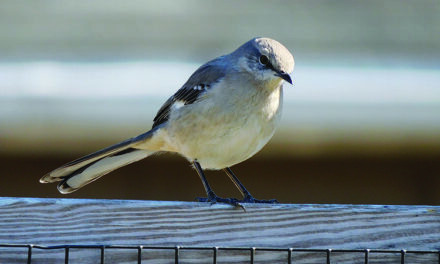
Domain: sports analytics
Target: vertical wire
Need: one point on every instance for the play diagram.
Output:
(102, 254)
(29, 259)
(140, 254)
(214, 260)
(252, 255)
(402, 256)
(289, 256)
(328, 255)
(176, 255)
(66, 255)
(367, 256)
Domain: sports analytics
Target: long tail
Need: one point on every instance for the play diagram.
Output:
(82, 171)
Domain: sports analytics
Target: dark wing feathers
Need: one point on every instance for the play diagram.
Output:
(199, 82)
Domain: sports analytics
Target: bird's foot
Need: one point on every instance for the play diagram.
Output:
(250, 199)
(213, 199)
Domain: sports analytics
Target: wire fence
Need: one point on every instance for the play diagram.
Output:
(365, 255)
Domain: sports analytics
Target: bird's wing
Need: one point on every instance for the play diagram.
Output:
(199, 82)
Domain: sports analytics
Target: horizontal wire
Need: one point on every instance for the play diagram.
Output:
(177, 249)
(217, 248)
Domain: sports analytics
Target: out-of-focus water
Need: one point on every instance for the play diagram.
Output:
(59, 100)
(364, 68)
(375, 32)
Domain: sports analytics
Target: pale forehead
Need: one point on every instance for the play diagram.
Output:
(267, 45)
(275, 50)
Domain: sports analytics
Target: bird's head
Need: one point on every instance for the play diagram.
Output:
(266, 59)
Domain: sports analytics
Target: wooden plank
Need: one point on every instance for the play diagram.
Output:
(191, 224)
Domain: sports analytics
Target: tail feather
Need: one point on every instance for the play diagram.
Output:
(99, 168)
(68, 168)
(82, 171)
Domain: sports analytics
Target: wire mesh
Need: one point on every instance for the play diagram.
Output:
(140, 250)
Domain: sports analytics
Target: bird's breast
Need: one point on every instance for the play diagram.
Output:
(219, 131)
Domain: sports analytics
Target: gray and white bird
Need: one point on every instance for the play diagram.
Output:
(225, 113)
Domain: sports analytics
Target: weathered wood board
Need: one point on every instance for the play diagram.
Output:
(189, 224)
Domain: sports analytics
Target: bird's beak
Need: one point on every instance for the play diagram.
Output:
(285, 76)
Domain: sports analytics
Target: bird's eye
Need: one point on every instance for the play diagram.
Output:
(264, 60)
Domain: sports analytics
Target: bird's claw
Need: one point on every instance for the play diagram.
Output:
(215, 199)
(250, 199)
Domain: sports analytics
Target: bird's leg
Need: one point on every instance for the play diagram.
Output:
(212, 197)
(247, 197)
(208, 189)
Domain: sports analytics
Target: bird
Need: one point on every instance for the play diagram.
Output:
(223, 114)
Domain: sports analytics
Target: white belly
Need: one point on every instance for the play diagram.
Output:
(219, 136)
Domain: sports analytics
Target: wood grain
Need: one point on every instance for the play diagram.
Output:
(158, 223)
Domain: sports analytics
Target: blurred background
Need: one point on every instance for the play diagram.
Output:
(361, 123)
